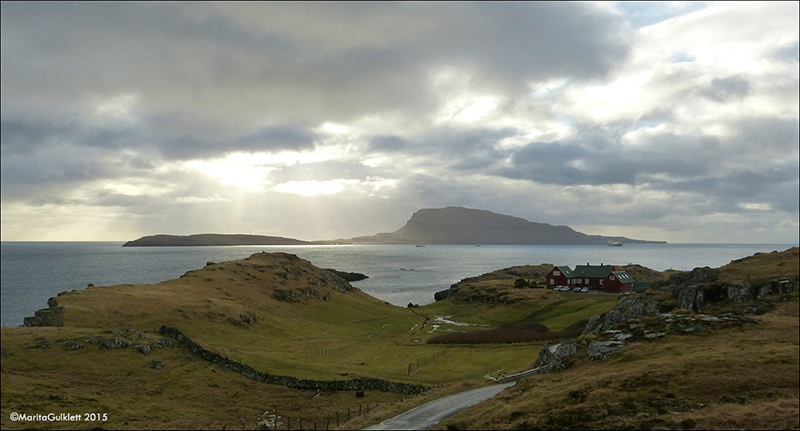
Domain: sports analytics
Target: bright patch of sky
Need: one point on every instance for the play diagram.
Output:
(642, 14)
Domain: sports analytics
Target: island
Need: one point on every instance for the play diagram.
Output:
(211, 239)
(450, 225)
(458, 225)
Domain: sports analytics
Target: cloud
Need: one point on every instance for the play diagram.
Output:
(221, 63)
(285, 115)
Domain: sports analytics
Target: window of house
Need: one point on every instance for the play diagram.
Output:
(556, 273)
(585, 281)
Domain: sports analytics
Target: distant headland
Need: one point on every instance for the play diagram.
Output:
(450, 225)
(211, 239)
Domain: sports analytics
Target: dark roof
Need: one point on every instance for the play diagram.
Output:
(566, 271)
(623, 276)
(589, 271)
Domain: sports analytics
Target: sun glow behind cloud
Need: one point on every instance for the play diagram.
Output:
(314, 187)
(691, 106)
(234, 171)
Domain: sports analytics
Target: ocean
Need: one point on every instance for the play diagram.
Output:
(32, 272)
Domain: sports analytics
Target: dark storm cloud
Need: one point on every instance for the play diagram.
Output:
(774, 136)
(775, 184)
(461, 149)
(761, 171)
(177, 56)
(193, 146)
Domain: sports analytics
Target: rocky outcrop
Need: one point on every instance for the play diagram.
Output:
(47, 316)
(72, 345)
(349, 276)
(628, 307)
(551, 358)
(695, 289)
(597, 350)
(643, 317)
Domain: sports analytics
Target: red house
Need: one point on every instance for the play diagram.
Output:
(618, 281)
(601, 277)
(559, 276)
(591, 276)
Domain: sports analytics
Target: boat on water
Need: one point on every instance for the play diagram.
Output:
(614, 244)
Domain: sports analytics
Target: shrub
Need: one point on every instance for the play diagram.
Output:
(512, 333)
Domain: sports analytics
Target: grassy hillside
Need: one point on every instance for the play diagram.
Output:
(282, 315)
(742, 375)
(274, 312)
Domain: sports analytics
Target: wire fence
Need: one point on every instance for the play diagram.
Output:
(274, 420)
(337, 350)
(424, 362)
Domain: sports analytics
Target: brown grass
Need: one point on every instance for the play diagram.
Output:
(743, 377)
(526, 332)
(762, 266)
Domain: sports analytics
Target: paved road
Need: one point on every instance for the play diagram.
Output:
(428, 415)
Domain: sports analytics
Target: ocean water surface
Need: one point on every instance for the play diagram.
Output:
(32, 272)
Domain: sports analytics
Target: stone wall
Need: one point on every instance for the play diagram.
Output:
(292, 382)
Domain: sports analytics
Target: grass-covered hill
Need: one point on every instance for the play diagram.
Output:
(736, 365)
(103, 350)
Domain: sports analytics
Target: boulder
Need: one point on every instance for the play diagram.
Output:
(73, 345)
(554, 356)
(689, 297)
(598, 350)
(114, 343)
(592, 324)
(741, 292)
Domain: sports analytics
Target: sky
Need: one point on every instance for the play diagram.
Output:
(321, 120)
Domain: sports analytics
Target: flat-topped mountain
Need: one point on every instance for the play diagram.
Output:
(457, 225)
(208, 239)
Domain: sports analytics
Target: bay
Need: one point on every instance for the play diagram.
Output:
(32, 272)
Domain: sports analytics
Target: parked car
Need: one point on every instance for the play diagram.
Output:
(577, 289)
(585, 289)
